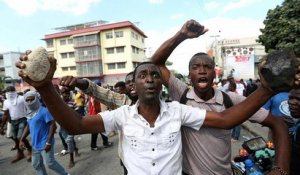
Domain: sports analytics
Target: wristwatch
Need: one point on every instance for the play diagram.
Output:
(48, 143)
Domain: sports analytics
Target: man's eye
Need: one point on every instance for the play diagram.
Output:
(156, 75)
(142, 76)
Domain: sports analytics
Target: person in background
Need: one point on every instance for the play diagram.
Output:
(69, 138)
(120, 87)
(80, 102)
(41, 127)
(294, 105)
(94, 109)
(15, 112)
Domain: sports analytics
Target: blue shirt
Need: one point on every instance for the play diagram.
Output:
(39, 126)
(278, 104)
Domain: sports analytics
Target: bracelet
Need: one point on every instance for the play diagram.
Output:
(49, 144)
(280, 170)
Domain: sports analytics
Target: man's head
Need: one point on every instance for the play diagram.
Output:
(201, 72)
(294, 103)
(10, 93)
(10, 89)
(32, 101)
(66, 94)
(148, 83)
(130, 89)
(120, 87)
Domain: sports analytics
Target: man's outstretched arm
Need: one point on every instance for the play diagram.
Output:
(62, 113)
(191, 29)
(281, 141)
(105, 96)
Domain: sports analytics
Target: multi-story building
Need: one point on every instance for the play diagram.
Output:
(239, 56)
(97, 50)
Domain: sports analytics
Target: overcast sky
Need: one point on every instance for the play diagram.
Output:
(25, 22)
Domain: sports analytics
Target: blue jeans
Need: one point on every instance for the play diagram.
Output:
(38, 158)
(69, 139)
(235, 133)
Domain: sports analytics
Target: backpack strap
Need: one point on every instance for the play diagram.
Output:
(227, 100)
(183, 98)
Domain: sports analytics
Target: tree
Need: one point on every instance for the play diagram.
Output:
(282, 27)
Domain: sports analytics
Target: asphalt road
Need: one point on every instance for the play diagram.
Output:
(102, 162)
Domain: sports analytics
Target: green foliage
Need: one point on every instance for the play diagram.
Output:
(282, 27)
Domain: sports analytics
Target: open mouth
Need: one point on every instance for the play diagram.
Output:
(203, 82)
(132, 91)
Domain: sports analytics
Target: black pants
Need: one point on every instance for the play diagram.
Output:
(94, 138)
(295, 160)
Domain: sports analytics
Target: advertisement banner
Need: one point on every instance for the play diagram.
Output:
(242, 66)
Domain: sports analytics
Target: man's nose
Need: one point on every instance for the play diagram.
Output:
(149, 78)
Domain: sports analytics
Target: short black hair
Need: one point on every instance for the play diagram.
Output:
(10, 89)
(200, 55)
(142, 63)
(120, 84)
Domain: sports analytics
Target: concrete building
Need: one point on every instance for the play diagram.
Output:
(9, 72)
(239, 56)
(97, 50)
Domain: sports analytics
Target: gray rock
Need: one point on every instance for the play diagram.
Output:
(280, 69)
(37, 65)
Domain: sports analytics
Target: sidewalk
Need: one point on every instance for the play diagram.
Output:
(256, 129)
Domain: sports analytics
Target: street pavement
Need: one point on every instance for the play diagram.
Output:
(102, 162)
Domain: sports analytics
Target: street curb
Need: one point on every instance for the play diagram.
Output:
(256, 129)
(254, 133)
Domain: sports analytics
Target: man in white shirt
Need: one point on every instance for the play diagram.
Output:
(150, 129)
(14, 112)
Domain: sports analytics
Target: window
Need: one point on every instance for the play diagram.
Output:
(135, 64)
(49, 43)
(111, 66)
(137, 50)
(133, 49)
(142, 40)
(136, 36)
(73, 68)
(70, 41)
(64, 68)
(121, 65)
(64, 55)
(120, 49)
(132, 34)
(110, 50)
(71, 54)
(119, 34)
(109, 35)
(63, 42)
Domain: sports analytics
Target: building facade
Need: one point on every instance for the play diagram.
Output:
(239, 57)
(97, 50)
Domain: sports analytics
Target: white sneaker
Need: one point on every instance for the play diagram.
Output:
(64, 152)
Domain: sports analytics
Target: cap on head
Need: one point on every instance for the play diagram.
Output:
(98, 82)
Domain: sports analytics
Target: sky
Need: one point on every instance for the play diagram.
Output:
(25, 22)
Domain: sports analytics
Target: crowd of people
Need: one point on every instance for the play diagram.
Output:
(189, 133)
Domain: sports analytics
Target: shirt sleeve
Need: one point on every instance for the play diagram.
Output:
(106, 96)
(111, 120)
(192, 117)
(176, 88)
(5, 105)
(48, 116)
(258, 117)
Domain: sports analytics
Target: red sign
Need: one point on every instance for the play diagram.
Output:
(242, 58)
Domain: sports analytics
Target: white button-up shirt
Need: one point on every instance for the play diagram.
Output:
(154, 150)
